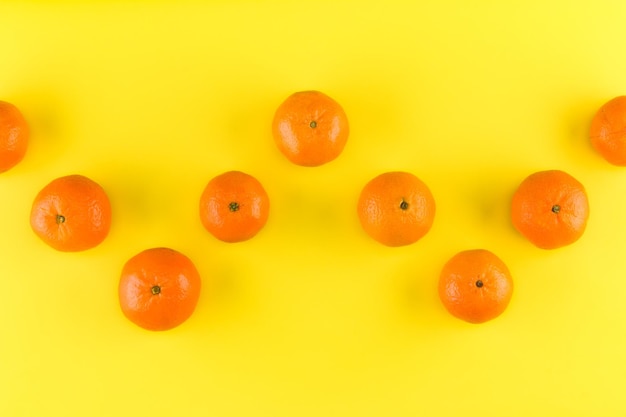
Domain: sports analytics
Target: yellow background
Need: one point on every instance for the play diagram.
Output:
(312, 317)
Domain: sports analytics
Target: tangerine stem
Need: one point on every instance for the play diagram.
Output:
(234, 206)
(479, 283)
(155, 290)
(313, 124)
(60, 219)
(404, 205)
(556, 208)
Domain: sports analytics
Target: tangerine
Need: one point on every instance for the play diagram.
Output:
(475, 286)
(234, 206)
(396, 208)
(14, 135)
(71, 213)
(159, 289)
(310, 128)
(550, 208)
(608, 131)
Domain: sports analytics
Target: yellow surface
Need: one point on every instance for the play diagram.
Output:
(311, 317)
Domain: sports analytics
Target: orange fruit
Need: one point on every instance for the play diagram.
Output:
(159, 289)
(475, 286)
(71, 213)
(14, 133)
(608, 131)
(550, 208)
(234, 206)
(310, 128)
(396, 208)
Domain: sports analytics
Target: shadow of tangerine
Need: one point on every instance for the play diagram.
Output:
(47, 114)
(313, 216)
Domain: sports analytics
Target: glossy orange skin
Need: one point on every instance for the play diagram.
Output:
(534, 213)
(234, 207)
(608, 131)
(14, 136)
(178, 283)
(396, 208)
(310, 128)
(475, 286)
(71, 213)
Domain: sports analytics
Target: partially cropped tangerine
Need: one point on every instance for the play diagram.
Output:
(475, 286)
(159, 289)
(234, 206)
(310, 128)
(14, 136)
(71, 213)
(608, 131)
(550, 208)
(396, 208)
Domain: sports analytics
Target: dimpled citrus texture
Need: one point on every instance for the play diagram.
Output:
(234, 206)
(396, 208)
(475, 286)
(550, 208)
(159, 289)
(71, 213)
(310, 128)
(14, 136)
(608, 131)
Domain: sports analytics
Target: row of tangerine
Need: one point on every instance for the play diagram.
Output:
(387, 224)
(159, 288)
